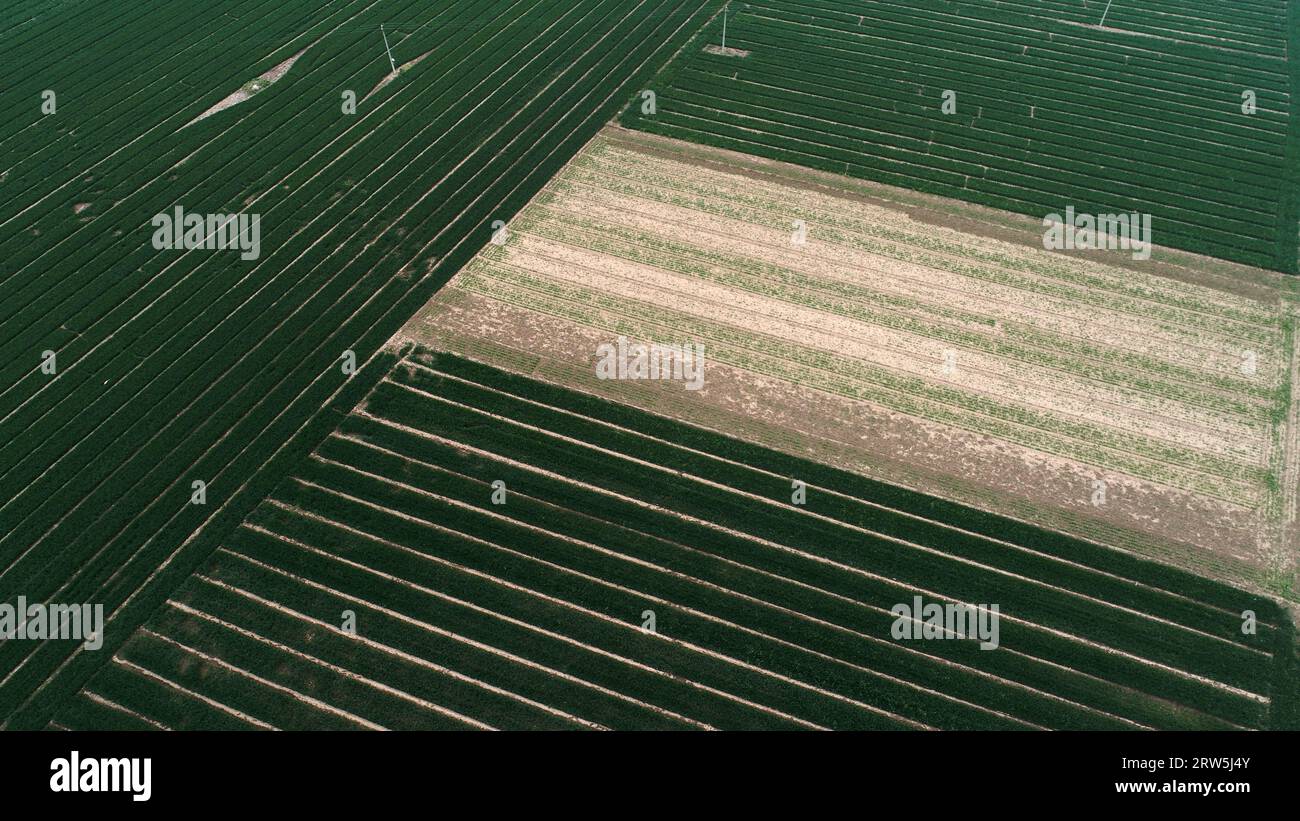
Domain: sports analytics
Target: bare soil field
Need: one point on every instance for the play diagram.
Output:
(1145, 404)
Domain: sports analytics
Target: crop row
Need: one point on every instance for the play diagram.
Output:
(964, 149)
(1253, 26)
(1170, 67)
(825, 370)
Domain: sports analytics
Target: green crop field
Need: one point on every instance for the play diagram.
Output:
(171, 367)
(530, 610)
(1145, 114)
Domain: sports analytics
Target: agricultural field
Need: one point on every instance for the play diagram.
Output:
(134, 368)
(618, 364)
(912, 339)
(1177, 108)
(475, 549)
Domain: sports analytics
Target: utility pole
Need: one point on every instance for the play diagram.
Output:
(387, 49)
(1104, 13)
(724, 26)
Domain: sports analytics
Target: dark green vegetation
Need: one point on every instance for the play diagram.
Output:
(529, 613)
(178, 366)
(1142, 115)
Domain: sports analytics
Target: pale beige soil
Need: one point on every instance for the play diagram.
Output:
(607, 174)
(1064, 368)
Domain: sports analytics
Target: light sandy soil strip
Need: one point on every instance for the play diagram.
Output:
(610, 158)
(726, 51)
(493, 614)
(1113, 448)
(246, 91)
(1006, 276)
(928, 357)
(923, 357)
(1017, 273)
(957, 320)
